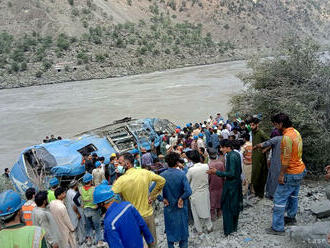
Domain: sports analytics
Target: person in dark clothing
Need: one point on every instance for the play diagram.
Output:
(6, 174)
(89, 165)
(232, 197)
(46, 140)
(52, 138)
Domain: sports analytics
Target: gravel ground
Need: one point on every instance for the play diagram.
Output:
(252, 224)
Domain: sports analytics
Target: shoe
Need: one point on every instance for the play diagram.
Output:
(271, 231)
(289, 221)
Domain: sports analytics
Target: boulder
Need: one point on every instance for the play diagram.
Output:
(321, 209)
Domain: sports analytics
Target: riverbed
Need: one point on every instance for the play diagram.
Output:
(180, 95)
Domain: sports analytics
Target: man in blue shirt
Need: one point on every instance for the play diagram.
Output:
(123, 224)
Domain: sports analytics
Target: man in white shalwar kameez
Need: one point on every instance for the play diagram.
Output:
(200, 198)
(75, 213)
(43, 218)
(60, 213)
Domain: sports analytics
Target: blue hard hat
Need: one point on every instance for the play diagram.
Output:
(102, 193)
(87, 178)
(195, 137)
(200, 135)
(188, 125)
(10, 202)
(97, 164)
(105, 182)
(53, 182)
(178, 127)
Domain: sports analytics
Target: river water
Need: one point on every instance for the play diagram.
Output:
(181, 95)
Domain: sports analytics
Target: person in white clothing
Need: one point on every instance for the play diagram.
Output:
(200, 198)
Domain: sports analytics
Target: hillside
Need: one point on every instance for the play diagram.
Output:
(49, 41)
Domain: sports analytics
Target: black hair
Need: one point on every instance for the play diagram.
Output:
(172, 158)
(6, 169)
(282, 118)
(11, 218)
(236, 144)
(202, 149)
(58, 192)
(40, 197)
(101, 159)
(29, 193)
(59, 138)
(129, 157)
(255, 120)
(112, 158)
(194, 156)
(246, 137)
(226, 143)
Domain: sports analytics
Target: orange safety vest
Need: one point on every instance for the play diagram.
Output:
(27, 214)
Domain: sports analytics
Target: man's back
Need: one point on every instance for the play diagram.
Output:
(123, 226)
(198, 177)
(134, 187)
(174, 188)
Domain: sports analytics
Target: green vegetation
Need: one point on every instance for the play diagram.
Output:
(297, 83)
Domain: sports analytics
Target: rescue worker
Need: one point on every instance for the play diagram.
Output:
(123, 224)
(29, 206)
(14, 232)
(53, 183)
(91, 211)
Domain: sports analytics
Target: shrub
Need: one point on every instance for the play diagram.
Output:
(100, 58)
(71, 2)
(226, 26)
(297, 83)
(23, 66)
(172, 4)
(167, 51)
(129, 2)
(14, 67)
(38, 74)
(47, 64)
(82, 58)
(140, 61)
(75, 12)
(63, 42)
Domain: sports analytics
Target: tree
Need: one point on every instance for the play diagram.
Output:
(297, 83)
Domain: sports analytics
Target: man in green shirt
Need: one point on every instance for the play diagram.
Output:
(53, 183)
(259, 160)
(15, 233)
(232, 198)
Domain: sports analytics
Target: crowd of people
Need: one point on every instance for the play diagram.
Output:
(200, 172)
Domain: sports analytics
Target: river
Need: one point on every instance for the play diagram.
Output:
(180, 95)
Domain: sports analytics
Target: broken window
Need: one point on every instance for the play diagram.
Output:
(87, 149)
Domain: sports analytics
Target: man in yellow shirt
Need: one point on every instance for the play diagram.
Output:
(134, 185)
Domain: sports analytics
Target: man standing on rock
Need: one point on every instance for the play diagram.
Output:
(292, 172)
(232, 198)
(259, 161)
(175, 193)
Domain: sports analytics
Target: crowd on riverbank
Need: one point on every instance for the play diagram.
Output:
(200, 172)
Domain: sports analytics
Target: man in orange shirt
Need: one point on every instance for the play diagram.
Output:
(29, 206)
(291, 175)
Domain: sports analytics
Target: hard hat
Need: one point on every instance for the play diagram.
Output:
(53, 182)
(87, 178)
(178, 127)
(102, 193)
(10, 202)
(105, 182)
(200, 135)
(97, 164)
(195, 137)
(188, 125)
(113, 155)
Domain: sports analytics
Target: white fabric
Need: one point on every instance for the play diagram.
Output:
(200, 143)
(70, 194)
(199, 222)
(199, 183)
(43, 218)
(60, 214)
(225, 133)
(98, 175)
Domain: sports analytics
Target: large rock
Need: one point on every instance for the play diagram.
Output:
(327, 191)
(321, 209)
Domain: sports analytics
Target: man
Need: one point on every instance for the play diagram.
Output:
(175, 194)
(98, 173)
(173, 139)
(163, 144)
(194, 143)
(53, 183)
(123, 224)
(14, 233)
(52, 138)
(232, 199)
(6, 174)
(146, 159)
(200, 141)
(60, 214)
(275, 163)
(291, 174)
(91, 212)
(214, 139)
(225, 133)
(246, 150)
(76, 214)
(112, 169)
(29, 206)
(43, 218)
(89, 165)
(259, 161)
(215, 184)
(133, 186)
(200, 198)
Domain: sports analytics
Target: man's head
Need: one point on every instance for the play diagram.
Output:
(90, 157)
(30, 193)
(60, 193)
(41, 199)
(52, 136)
(246, 137)
(172, 159)
(10, 206)
(126, 160)
(213, 153)
(101, 159)
(255, 124)
(73, 185)
(112, 159)
(226, 146)
(281, 121)
(103, 196)
(6, 170)
(194, 156)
